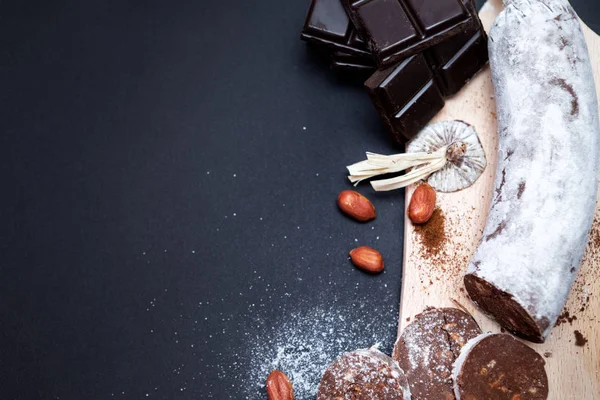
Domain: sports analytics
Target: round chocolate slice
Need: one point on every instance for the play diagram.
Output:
(499, 367)
(363, 375)
(428, 347)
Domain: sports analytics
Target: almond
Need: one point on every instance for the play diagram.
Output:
(367, 259)
(422, 204)
(279, 386)
(356, 206)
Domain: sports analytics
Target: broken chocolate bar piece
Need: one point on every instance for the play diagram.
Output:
(406, 96)
(327, 24)
(396, 29)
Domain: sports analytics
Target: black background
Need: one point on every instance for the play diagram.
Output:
(168, 217)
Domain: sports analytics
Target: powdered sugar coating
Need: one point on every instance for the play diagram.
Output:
(364, 374)
(546, 178)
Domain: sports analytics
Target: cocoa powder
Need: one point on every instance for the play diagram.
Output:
(432, 234)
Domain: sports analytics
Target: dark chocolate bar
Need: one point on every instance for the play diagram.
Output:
(409, 94)
(396, 29)
(406, 96)
(327, 24)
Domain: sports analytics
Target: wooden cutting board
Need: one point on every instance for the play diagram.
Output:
(573, 371)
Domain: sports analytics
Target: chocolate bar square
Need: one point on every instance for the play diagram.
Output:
(434, 15)
(328, 25)
(395, 86)
(406, 96)
(459, 60)
(396, 29)
(421, 108)
(388, 24)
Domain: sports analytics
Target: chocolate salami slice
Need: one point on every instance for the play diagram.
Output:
(499, 367)
(428, 347)
(547, 172)
(363, 375)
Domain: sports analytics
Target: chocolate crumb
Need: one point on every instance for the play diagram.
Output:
(565, 317)
(580, 340)
(547, 354)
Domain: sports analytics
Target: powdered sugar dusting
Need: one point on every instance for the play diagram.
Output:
(305, 342)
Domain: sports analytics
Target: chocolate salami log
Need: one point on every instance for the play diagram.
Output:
(546, 178)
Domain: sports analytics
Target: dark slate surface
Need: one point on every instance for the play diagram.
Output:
(169, 228)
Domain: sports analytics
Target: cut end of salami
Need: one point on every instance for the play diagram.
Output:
(504, 309)
(499, 367)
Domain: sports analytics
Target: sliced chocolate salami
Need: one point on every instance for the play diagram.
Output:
(499, 367)
(428, 347)
(364, 375)
(547, 172)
